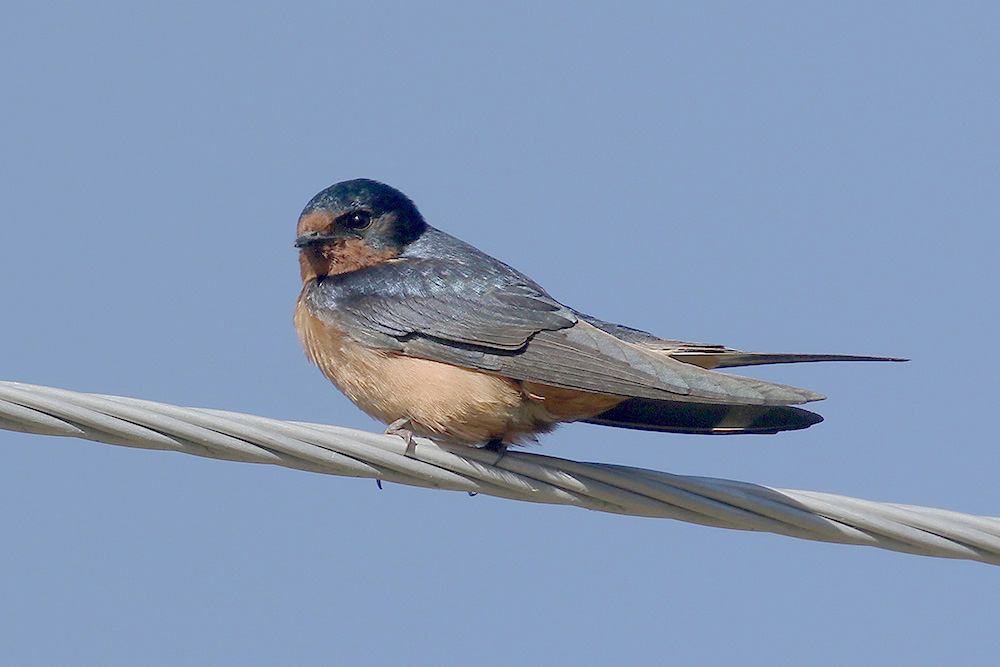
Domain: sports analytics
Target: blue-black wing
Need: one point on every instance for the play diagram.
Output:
(458, 306)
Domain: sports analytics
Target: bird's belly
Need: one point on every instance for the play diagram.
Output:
(441, 400)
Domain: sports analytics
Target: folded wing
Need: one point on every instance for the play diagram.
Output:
(495, 320)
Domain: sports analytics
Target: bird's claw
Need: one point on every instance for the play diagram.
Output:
(497, 445)
(399, 427)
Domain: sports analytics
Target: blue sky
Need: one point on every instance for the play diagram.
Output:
(776, 177)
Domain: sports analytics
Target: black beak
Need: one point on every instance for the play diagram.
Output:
(312, 238)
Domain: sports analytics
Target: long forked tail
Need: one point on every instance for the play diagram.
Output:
(708, 355)
(730, 358)
(704, 418)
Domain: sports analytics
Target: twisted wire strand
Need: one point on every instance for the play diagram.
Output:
(523, 476)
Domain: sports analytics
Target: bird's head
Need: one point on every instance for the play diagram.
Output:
(355, 224)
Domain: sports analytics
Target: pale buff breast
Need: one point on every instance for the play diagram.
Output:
(440, 400)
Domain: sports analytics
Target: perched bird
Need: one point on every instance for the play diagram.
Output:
(436, 338)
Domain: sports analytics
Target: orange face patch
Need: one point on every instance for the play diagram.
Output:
(339, 257)
(314, 222)
(336, 256)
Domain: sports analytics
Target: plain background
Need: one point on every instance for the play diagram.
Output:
(788, 177)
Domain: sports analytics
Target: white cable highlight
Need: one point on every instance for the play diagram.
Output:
(334, 450)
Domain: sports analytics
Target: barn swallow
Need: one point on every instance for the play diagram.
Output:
(434, 337)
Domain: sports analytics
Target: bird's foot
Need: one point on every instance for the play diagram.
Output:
(496, 445)
(399, 427)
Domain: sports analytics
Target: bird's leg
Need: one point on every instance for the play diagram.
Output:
(399, 427)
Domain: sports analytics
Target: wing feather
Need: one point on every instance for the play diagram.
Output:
(499, 321)
(709, 355)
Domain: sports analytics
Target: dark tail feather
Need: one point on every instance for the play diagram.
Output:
(705, 418)
(730, 359)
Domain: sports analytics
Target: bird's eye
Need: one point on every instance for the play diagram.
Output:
(356, 219)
